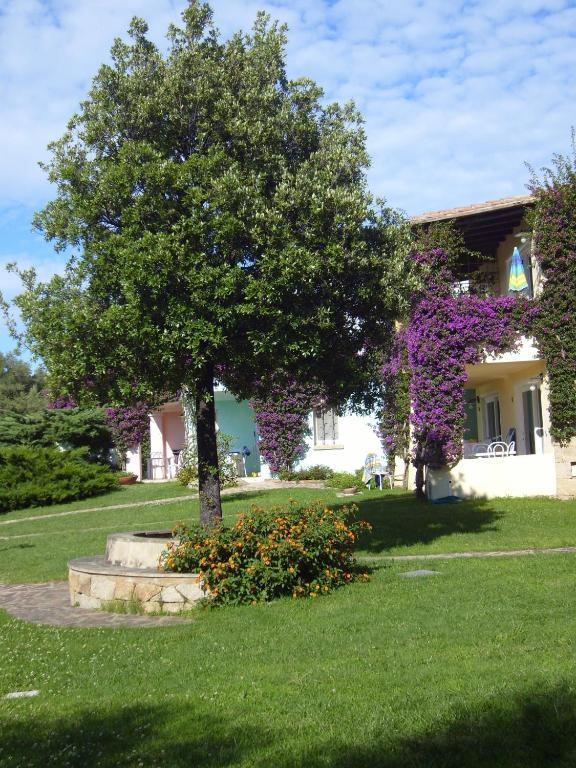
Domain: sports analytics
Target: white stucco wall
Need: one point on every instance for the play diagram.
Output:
(156, 439)
(489, 478)
(134, 462)
(356, 438)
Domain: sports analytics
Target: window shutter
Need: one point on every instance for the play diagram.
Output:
(319, 433)
(325, 426)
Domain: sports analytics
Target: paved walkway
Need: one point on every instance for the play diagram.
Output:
(455, 555)
(49, 603)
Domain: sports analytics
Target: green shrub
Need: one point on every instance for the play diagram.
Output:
(343, 480)
(69, 428)
(188, 472)
(317, 472)
(32, 477)
(303, 552)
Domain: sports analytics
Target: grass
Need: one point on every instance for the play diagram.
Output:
(400, 525)
(468, 669)
(126, 494)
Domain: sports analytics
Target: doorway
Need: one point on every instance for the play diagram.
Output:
(532, 432)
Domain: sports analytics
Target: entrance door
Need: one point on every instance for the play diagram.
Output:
(532, 420)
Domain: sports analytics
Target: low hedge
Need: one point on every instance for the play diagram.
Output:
(317, 472)
(344, 480)
(33, 477)
(302, 552)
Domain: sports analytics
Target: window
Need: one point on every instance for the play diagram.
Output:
(325, 427)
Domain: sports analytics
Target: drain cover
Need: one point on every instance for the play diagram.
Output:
(422, 572)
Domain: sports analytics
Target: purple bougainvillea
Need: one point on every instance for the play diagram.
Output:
(281, 408)
(129, 425)
(62, 403)
(445, 332)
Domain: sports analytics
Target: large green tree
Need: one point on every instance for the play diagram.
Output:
(222, 228)
(22, 391)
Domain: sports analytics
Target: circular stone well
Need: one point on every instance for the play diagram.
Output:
(128, 572)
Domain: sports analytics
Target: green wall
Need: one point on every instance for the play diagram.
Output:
(237, 419)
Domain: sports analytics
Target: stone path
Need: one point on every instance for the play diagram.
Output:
(49, 603)
(455, 555)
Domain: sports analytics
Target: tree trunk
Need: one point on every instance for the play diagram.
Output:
(406, 472)
(420, 493)
(208, 477)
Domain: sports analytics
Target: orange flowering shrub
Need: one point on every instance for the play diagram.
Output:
(303, 552)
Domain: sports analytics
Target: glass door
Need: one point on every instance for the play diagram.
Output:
(492, 429)
(532, 420)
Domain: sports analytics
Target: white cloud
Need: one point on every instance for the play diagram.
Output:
(456, 95)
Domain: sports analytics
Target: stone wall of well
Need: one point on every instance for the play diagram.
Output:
(93, 584)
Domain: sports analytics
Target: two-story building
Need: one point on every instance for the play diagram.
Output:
(508, 450)
(506, 395)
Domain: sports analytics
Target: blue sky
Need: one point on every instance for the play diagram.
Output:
(457, 96)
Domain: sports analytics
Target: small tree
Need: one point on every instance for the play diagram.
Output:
(221, 219)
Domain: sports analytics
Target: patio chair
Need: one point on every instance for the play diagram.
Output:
(498, 449)
(477, 450)
(373, 468)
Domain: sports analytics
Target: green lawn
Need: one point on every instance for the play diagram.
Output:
(471, 668)
(126, 494)
(400, 525)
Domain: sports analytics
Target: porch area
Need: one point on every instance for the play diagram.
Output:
(168, 437)
(489, 478)
(506, 447)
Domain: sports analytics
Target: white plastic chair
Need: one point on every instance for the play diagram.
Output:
(498, 449)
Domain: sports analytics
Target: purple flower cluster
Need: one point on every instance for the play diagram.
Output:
(445, 332)
(281, 408)
(61, 403)
(129, 425)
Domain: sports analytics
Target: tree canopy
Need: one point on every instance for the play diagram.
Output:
(222, 227)
(22, 391)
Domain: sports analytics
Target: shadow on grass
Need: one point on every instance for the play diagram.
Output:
(400, 520)
(170, 736)
(534, 730)
(16, 546)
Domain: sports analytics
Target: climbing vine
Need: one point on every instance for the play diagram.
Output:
(130, 425)
(281, 406)
(554, 223)
(394, 420)
(446, 331)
